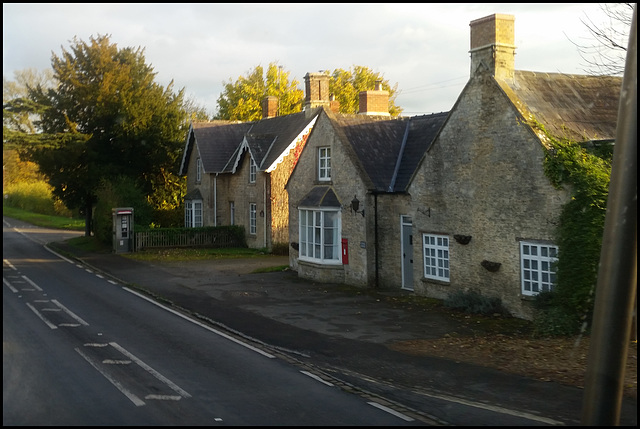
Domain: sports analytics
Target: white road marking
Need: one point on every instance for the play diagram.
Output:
(315, 377)
(116, 362)
(132, 397)
(390, 411)
(164, 397)
(28, 280)
(150, 370)
(9, 264)
(44, 319)
(7, 284)
(215, 331)
(70, 313)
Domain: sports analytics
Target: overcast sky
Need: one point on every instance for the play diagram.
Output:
(424, 48)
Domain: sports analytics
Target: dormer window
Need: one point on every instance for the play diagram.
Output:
(324, 164)
(252, 171)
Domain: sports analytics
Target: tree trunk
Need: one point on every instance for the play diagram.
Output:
(87, 219)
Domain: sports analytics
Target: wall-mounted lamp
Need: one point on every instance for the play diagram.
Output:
(261, 213)
(355, 205)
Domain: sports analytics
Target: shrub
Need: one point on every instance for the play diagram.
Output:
(35, 197)
(120, 192)
(280, 249)
(474, 302)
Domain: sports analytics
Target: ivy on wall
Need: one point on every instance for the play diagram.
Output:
(585, 172)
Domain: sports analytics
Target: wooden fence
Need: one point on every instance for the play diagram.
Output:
(189, 237)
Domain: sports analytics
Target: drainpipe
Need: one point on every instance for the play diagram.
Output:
(215, 200)
(264, 219)
(375, 233)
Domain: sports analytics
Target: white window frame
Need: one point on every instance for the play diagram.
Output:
(198, 170)
(324, 163)
(537, 267)
(319, 234)
(253, 167)
(192, 213)
(252, 218)
(435, 251)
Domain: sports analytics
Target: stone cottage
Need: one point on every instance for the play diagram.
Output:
(347, 190)
(236, 171)
(482, 210)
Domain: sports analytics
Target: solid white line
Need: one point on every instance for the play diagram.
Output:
(70, 313)
(11, 288)
(493, 408)
(150, 370)
(215, 331)
(59, 255)
(315, 377)
(32, 283)
(116, 362)
(44, 319)
(390, 411)
(133, 398)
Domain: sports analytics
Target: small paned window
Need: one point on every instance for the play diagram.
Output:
(324, 163)
(252, 171)
(537, 263)
(436, 256)
(252, 218)
(198, 170)
(192, 213)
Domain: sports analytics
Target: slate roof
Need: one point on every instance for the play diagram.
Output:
(579, 107)
(220, 143)
(388, 150)
(216, 140)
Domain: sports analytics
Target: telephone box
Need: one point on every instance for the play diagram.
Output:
(122, 229)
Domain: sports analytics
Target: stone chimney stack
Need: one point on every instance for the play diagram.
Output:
(492, 45)
(374, 102)
(334, 104)
(269, 107)
(316, 90)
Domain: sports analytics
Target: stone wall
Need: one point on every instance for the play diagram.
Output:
(483, 177)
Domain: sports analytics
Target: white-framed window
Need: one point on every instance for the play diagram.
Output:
(436, 256)
(193, 213)
(198, 170)
(252, 171)
(324, 163)
(319, 235)
(232, 213)
(252, 218)
(537, 262)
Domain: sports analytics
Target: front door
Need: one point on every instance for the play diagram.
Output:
(407, 252)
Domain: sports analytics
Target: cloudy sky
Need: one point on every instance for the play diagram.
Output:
(424, 48)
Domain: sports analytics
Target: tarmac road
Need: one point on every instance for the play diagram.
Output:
(343, 337)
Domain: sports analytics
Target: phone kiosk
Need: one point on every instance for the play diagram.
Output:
(122, 229)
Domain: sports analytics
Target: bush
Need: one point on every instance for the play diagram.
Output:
(555, 322)
(280, 249)
(120, 192)
(474, 302)
(35, 197)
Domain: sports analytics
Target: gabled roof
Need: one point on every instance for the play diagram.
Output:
(216, 142)
(388, 150)
(578, 107)
(221, 144)
(270, 138)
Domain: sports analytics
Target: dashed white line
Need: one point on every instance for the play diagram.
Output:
(315, 377)
(390, 411)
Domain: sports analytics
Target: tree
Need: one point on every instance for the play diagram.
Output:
(106, 118)
(346, 86)
(607, 54)
(242, 100)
